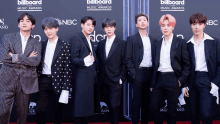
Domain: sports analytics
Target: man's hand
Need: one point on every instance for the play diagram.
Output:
(186, 93)
(10, 54)
(92, 57)
(33, 54)
(151, 89)
(179, 83)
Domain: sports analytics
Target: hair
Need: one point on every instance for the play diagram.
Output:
(139, 15)
(170, 18)
(198, 18)
(29, 16)
(108, 22)
(85, 18)
(49, 22)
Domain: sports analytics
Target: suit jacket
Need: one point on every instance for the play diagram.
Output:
(84, 77)
(24, 70)
(135, 52)
(212, 57)
(60, 67)
(114, 65)
(180, 60)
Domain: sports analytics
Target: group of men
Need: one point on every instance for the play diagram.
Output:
(154, 68)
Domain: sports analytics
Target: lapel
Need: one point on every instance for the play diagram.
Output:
(207, 45)
(151, 44)
(174, 46)
(93, 49)
(140, 44)
(103, 52)
(158, 49)
(57, 50)
(112, 49)
(44, 46)
(192, 53)
(85, 40)
(28, 46)
(18, 45)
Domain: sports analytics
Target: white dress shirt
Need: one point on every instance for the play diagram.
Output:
(108, 45)
(165, 62)
(49, 56)
(23, 42)
(147, 58)
(87, 59)
(199, 51)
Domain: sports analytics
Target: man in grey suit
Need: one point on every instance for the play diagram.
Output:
(18, 73)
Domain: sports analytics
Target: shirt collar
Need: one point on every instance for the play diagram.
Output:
(170, 40)
(111, 39)
(22, 36)
(55, 41)
(206, 37)
(144, 36)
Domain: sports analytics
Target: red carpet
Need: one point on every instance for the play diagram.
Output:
(184, 122)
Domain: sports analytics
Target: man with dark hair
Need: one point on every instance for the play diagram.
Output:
(18, 73)
(112, 68)
(204, 80)
(54, 73)
(83, 59)
(171, 70)
(139, 59)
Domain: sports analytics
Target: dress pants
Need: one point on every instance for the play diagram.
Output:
(167, 85)
(111, 93)
(7, 100)
(47, 95)
(201, 100)
(141, 95)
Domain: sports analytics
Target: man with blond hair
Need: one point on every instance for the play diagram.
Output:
(172, 67)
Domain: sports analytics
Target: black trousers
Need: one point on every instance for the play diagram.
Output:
(111, 94)
(47, 97)
(141, 95)
(201, 100)
(166, 86)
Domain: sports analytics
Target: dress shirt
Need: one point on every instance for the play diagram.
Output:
(49, 56)
(87, 59)
(23, 42)
(108, 45)
(147, 58)
(165, 63)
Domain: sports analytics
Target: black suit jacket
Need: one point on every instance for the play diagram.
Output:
(134, 53)
(60, 67)
(180, 60)
(114, 65)
(212, 57)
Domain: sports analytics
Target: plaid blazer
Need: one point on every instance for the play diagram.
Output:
(23, 70)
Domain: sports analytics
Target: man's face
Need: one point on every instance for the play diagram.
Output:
(142, 22)
(87, 27)
(198, 28)
(50, 32)
(25, 24)
(166, 28)
(109, 30)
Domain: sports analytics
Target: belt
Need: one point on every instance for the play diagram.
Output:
(163, 73)
(144, 67)
(46, 75)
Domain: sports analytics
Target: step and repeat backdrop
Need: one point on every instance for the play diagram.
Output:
(70, 12)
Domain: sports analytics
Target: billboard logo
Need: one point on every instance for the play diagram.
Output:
(172, 5)
(99, 5)
(104, 107)
(212, 22)
(2, 24)
(165, 109)
(32, 107)
(29, 5)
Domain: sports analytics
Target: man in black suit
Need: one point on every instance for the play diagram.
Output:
(54, 74)
(171, 69)
(83, 58)
(204, 80)
(139, 61)
(112, 68)
(18, 77)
